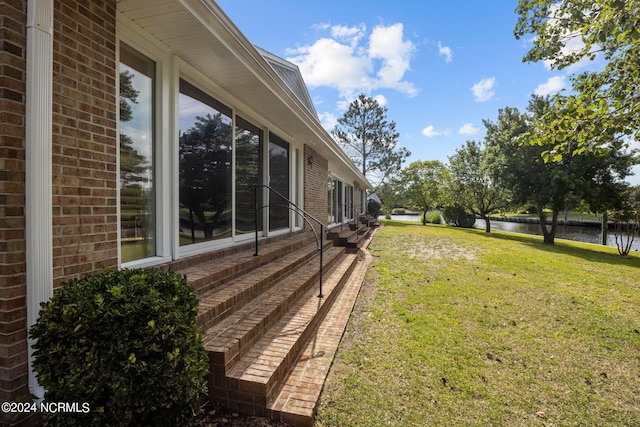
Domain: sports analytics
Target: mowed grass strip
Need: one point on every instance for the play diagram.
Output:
(458, 328)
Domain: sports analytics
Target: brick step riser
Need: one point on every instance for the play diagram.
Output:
(261, 395)
(206, 284)
(277, 380)
(221, 363)
(355, 245)
(208, 318)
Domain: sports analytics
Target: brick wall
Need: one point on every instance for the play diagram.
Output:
(315, 184)
(13, 347)
(84, 163)
(85, 147)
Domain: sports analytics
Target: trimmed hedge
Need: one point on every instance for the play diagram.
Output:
(373, 208)
(125, 342)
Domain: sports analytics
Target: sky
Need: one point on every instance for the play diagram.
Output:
(439, 67)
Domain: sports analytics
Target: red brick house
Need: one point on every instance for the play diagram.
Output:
(133, 133)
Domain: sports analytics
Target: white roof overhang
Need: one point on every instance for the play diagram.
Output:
(199, 32)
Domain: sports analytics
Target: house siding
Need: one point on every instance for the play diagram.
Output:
(315, 184)
(13, 313)
(84, 171)
(85, 147)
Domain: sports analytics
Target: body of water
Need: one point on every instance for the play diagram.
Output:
(580, 234)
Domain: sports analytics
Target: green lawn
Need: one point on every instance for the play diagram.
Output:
(458, 328)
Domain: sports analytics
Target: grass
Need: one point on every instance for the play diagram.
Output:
(458, 328)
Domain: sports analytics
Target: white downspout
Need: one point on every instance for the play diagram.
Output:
(38, 176)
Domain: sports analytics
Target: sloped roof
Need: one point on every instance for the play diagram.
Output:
(290, 74)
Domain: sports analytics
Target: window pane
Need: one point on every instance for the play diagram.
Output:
(137, 200)
(279, 181)
(205, 167)
(248, 173)
(331, 196)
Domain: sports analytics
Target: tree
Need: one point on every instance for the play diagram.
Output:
(549, 186)
(422, 183)
(521, 168)
(472, 186)
(626, 217)
(370, 140)
(606, 103)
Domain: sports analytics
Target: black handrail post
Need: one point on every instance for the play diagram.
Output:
(321, 263)
(255, 218)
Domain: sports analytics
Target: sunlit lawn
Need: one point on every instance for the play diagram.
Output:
(458, 328)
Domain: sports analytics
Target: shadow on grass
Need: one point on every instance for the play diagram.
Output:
(565, 247)
(561, 246)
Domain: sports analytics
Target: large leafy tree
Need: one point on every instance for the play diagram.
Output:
(549, 186)
(606, 103)
(422, 183)
(370, 140)
(472, 185)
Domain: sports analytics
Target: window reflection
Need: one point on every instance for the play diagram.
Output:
(137, 201)
(205, 167)
(279, 181)
(248, 174)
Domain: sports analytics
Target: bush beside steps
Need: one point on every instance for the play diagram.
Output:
(125, 342)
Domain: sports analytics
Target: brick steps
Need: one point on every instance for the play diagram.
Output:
(231, 338)
(221, 301)
(351, 237)
(258, 314)
(297, 400)
(206, 272)
(257, 377)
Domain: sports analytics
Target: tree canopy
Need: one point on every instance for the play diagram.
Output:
(605, 104)
(421, 183)
(370, 140)
(472, 185)
(550, 186)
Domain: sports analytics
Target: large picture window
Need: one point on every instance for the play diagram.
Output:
(205, 163)
(279, 181)
(137, 181)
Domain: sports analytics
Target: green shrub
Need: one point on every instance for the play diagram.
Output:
(432, 217)
(458, 217)
(125, 342)
(373, 208)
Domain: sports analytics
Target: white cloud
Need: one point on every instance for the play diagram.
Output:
(328, 120)
(468, 129)
(552, 85)
(431, 132)
(483, 90)
(330, 63)
(351, 62)
(446, 52)
(382, 100)
(352, 35)
(388, 44)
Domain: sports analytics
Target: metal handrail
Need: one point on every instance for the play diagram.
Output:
(304, 214)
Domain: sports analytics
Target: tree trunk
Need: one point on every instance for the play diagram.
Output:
(549, 237)
(487, 227)
(546, 234)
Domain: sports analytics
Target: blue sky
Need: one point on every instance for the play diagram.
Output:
(439, 68)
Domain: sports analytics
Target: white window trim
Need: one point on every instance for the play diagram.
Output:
(127, 32)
